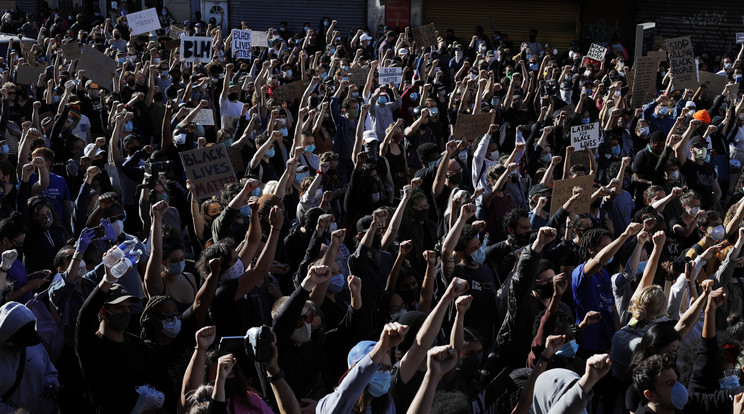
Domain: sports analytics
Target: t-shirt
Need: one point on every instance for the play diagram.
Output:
(700, 177)
(82, 127)
(482, 314)
(57, 192)
(594, 293)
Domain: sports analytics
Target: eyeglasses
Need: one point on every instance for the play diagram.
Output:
(168, 316)
(306, 318)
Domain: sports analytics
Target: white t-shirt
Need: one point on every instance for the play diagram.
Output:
(81, 129)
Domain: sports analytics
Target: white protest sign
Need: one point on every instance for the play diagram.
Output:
(143, 21)
(390, 75)
(739, 38)
(258, 38)
(596, 52)
(585, 136)
(196, 48)
(205, 117)
(241, 44)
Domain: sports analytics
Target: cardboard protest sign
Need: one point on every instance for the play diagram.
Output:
(425, 36)
(196, 48)
(585, 136)
(739, 38)
(176, 32)
(235, 152)
(596, 52)
(229, 122)
(390, 75)
(259, 38)
(644, 39)
(205, 117)
(291, 91)
(563, 190)
(241, 44)
(644, 79)
(71, 50)
(98, 67)
(7, 5)
(472, 127)
(26, 48)
(143, 21)
(714, 83)
(682, 62)
(28, 74)
(358, 76)
(209, 169)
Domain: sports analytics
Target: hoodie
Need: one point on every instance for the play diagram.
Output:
(38, 372)
(558, 391)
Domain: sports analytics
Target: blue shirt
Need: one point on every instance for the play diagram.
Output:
(594, 293)
(57, 192)
(17, 274)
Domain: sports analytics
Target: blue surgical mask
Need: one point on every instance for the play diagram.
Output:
(245, 211)
(414, 96)
(336, 284)
(585, 121)
(285, 132)
(300, 176)
(256, 192)
(644, 131)
(228, 142)
(642, 266)
(382, 100)
(309, 148)
(534, 66)
(615, 150)
(478, 256)
(728, 382)
(121, 60)
(4, 149)
(379, 384)
(270, 152)
(679, 396)
(177, 267)
(568, 350)
(128, 127)
(432, 163)
(664, 111)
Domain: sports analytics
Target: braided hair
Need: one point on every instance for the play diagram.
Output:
(591, 239)
(148, 315)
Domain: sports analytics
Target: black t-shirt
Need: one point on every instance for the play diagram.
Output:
(644, 165)
(700, 177)
(483, 286)
(684, 243)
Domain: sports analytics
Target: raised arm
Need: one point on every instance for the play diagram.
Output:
(596, 263)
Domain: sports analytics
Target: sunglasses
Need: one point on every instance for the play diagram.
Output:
(168, 316)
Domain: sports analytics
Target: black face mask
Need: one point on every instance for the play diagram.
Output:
(456, 178)
(232, 386)
(233, 96)
(468, 366)
(131, 83)
(545, 291)
(519, 240)
(420, 215)
(119, 321)
(410, 295)
(158, 97)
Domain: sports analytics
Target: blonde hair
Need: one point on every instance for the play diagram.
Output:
(649, 303)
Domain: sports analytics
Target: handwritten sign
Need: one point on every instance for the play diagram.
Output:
(425, 36)
(390, 75)
(98, 67)
(259, 38)
(241, 44)
(472, 127)
(682, 61)
(235, 152)
(290, 92)
(739, 38)
(563, 190)
(196, 48)
(358, 76)
(585, 136)
(644, 79)
(7, 5)
(176, 32)
(596, 52)
(29, 75)
(143, 21)
(209, 169)
(205, 117)
(714, 83)
(71, 50)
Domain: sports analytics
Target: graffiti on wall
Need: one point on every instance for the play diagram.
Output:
(602, 31)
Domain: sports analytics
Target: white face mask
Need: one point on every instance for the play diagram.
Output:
(692, 211)
(118, 226)
(717, 233)
(302, 334)
(82, 269)
(566, 96)
(234, 272)
(494, 155)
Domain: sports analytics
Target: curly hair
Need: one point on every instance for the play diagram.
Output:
(591, 239)
(648, 304)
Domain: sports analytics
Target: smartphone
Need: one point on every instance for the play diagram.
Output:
(99, 232)
(232, 343)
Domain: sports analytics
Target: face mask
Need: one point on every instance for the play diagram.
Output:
(233, 96)
(585, 121)
(177, 267)
(396, 315)
(164, 72)
(414, 96)
(545, 291)
(432, 164)
(664, 111)
(478, 256)
(245, 211)
(692, 211)
(566, 96)
(469, 365)
(534, 67)
(234, 272)
(615, 150)
(4, 149)
(180, 139)
(376, 197)
(382, 100)
(309, 148)
(379, 384)
(729, 382)
(302, 334)
(119, 321)
(644, 131)
(626, 182)
(121, 60)
(568, 350)
(288, 73)
(164, 13)
(717, 233)
(300, 176)
(118, 226)
(588, 72)
(494, 155)
(353, 113)
(456, 178)
(678, 397)
(128, 127)
(285, 132)
(336, 284)
(700, 153)
(618, 94)
(728, 65)
(463, 156)
(674, 175)
(738, 78)
(642, 266)
(171, 328)
(546, 158)
(270, 152)
(228, 142)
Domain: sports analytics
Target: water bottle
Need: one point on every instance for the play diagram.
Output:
(122, 266)
(119, 253)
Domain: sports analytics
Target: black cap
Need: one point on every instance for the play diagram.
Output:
(538, 188)
(363, 224)
(657, 136)
(117, 294)
(698, 140)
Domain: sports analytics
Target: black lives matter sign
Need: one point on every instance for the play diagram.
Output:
(196, 48)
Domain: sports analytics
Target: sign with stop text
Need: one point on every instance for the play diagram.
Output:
(209, 169)
(585, 136)
(196, 48)
(682, 62)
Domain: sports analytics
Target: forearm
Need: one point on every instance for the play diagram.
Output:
(424, 396)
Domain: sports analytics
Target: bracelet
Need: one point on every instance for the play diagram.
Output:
(276, 377)
(319, 172)
(4, 270)
(543, 358)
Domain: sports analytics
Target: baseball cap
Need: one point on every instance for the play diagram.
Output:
(117, 294)
(363, 224)
(690, 104)
(359, 351)
(698, 140)
(369, 136)
(90, 147)
(365, 37)
(537, 189)
(702, 115)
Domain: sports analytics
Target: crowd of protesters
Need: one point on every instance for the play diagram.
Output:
(393, 266)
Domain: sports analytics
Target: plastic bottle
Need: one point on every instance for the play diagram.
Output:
(119, 253)
(122, 266)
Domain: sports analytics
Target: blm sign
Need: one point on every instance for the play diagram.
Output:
(196, 48)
